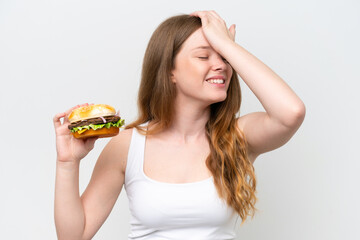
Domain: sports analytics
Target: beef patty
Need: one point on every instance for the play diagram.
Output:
(94, 121)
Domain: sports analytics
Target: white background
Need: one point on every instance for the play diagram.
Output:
(57, 54)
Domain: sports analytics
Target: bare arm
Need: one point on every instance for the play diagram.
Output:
(80, 217)
(106, 183)
(68, 209)
(285, 111)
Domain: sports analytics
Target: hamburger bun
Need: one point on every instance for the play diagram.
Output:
(100, 133)
(91, 111)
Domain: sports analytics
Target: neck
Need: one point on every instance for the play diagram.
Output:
(189, 121)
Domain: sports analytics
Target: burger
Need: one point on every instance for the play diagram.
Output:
(97, 120)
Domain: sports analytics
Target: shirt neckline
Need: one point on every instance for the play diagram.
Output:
(166, 183)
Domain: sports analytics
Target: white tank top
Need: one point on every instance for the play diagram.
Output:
(182, 211)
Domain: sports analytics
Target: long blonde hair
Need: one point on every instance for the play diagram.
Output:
(233, 173)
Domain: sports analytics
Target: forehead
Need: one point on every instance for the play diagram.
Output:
(197, 39)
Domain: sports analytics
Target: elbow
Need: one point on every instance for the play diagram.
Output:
(295, 116)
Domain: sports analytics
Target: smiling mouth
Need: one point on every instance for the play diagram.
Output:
(216, 81)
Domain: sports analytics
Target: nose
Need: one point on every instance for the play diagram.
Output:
(219, 64)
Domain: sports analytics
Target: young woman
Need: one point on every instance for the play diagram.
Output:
(187, 161)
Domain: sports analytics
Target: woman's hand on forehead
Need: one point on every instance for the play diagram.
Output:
(215, 29)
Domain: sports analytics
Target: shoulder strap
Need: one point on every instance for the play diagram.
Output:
(135, 158)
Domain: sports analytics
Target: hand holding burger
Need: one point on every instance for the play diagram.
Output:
(98, 120)
(83, 121)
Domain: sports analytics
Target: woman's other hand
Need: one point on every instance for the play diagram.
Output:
(215, 29)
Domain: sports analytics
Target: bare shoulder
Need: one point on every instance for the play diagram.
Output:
(264, 133)
(117, 149)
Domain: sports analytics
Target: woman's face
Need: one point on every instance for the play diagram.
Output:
(200, 73)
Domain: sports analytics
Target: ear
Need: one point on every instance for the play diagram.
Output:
(172, 77)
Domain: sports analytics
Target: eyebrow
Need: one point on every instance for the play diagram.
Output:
(202, 47)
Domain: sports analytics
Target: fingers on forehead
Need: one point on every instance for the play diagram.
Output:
(199, 14)
(205, 15)
(212, 12)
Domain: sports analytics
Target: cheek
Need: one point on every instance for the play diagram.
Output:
(229, 72)
(189, 71)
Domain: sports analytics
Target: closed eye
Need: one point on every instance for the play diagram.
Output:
(204, 58)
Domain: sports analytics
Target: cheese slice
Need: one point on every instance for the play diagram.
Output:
(81, 131)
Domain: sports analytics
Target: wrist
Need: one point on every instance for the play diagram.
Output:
(227, 47)
(67, 165)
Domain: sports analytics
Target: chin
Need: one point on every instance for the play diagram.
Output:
(218, 99)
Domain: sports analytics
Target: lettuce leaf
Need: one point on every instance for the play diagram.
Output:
(119, 123)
